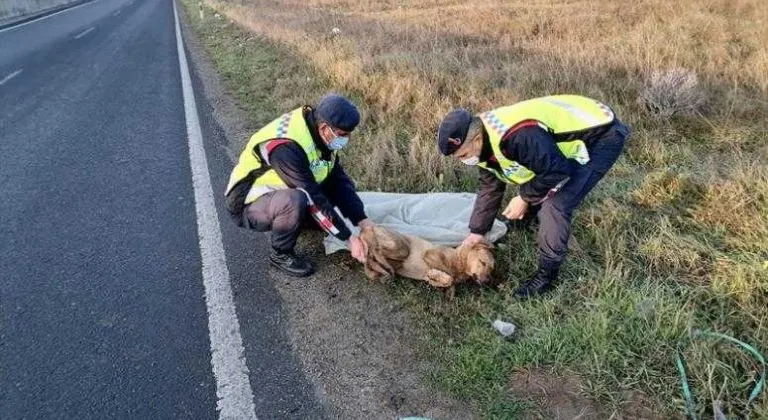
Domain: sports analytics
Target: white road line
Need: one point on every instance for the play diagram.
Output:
(233, 387)
(10, 76)
(117, 13)
(84, 33)
(47, 16)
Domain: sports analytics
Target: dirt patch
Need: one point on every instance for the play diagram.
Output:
(638, 405)
(356, 344)
(555, 396)
(562, 397)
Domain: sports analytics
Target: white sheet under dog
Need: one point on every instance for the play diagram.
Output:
(440, 218)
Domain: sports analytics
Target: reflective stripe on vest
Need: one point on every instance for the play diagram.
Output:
(559, 114)
(290, 126)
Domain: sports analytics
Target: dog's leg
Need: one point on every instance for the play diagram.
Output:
(383, 262)
(371, 274)
(439, 258)
(438, 278)
(375, 271)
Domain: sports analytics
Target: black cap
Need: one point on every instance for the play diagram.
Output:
(338, 111)
(453, 131)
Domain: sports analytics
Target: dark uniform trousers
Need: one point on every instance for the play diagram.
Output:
(555, 214)
(283, 212)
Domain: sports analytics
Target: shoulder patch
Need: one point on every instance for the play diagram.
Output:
(272, 144)
(523, 124)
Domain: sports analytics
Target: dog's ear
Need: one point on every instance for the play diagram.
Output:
(368, 235)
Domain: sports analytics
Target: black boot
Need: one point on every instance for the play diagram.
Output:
(291, 263)
(541, 282)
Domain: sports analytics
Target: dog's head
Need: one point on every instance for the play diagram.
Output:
(478, 261)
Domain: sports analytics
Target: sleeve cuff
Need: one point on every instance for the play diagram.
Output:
(359, 218)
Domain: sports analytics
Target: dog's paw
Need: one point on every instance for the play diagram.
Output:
(439, 278)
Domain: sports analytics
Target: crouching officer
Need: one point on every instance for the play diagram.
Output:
(289, 174)
(556, 148)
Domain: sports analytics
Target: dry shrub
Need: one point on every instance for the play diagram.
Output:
(670, 92)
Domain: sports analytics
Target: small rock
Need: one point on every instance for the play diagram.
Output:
(647, 310)
(717, 408)
(506, 329)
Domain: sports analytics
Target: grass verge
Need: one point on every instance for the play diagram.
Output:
(675, 238)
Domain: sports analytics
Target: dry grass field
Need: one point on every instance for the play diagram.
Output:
(674, 239)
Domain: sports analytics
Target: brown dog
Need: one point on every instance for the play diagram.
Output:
(391, 253)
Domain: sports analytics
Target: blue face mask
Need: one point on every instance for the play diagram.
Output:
(338, 143)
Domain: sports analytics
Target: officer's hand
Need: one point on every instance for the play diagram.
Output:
(472, 239)
(365, 223)
(515, 209)
(358, 248)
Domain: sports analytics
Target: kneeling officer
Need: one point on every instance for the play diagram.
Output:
(289, 173)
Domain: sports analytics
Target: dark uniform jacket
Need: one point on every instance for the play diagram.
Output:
(534, 148)
(290, 162)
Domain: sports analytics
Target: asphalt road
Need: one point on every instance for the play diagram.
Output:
(102, 302)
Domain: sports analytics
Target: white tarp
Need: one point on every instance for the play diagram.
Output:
(441, 218)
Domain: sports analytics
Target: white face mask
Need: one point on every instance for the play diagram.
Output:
(471, 161)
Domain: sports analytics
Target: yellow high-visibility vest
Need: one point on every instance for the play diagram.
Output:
(290, 126)
(558, 114)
